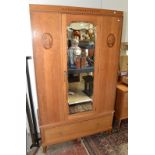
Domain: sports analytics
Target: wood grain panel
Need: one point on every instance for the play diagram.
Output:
(48, 67)
(107, 62)
(49, 32)
(64, 60)
(121, 106)
(77, 129)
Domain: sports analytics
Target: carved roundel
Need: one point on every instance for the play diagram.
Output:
(47, 40)
(111, 40)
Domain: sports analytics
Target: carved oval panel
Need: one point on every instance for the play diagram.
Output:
(110, 40)
(47, 40)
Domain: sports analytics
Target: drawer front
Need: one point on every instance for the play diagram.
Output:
(124, 112)
(70, 131)
(121, 107)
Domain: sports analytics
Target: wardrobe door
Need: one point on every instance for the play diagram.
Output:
(88, 28)
(47, 47)
(107, 62)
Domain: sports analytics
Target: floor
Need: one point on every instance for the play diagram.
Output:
(33, 150)
(68, 148)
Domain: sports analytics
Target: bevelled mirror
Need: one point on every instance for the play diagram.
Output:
(81, 55)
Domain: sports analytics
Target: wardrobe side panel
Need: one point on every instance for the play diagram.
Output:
(47, 42)
(107, 62)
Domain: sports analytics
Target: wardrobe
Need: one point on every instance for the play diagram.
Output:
(97, 30)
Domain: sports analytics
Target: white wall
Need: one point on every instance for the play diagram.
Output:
(121, 5)
(79, 3)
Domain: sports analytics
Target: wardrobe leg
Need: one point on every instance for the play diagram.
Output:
(44, 149)
(119, 123)
(110, 131)
(78, 140)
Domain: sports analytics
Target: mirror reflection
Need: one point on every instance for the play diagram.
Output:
(81, 52)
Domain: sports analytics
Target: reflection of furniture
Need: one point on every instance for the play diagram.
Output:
(80, 70)
(49, 30)
(88, 84)
(86, 44)
(121, 105)
(73, 77)
(74, 73)
(124, 80)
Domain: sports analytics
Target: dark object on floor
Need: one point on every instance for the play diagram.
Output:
(115, 143)
(30, 110)
(67, 148)
(88, 84)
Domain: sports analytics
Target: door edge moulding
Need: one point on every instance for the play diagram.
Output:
(74, 10)
(72, 121)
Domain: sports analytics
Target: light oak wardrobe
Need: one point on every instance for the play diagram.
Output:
(49, 36)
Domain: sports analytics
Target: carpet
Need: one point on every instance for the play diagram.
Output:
(67, 148)
(81, 107)
(104, 143)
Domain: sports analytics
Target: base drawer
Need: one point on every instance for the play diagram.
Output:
(69, 131)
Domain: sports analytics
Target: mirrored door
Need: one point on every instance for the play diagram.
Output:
(81, 38)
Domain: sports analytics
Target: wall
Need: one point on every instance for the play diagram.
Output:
(80, 3)
(115, 4)
(121, 5)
